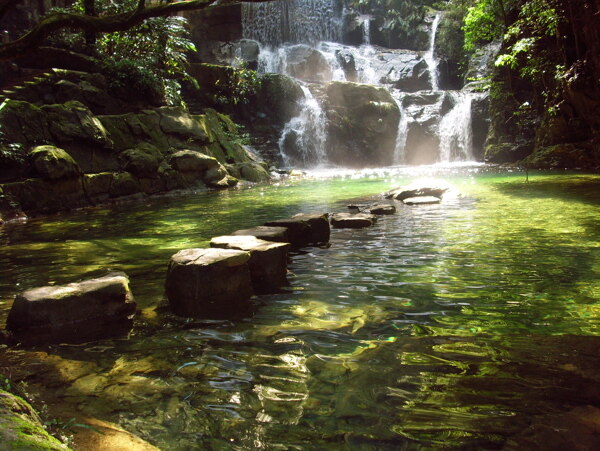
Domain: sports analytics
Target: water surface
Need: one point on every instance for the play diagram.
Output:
(443, 326)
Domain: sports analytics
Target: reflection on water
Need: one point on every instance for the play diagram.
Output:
(446, 325)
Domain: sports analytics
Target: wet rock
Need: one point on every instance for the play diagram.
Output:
(352, 221)
(209, 283)
(408, 191)
(346, 60)
(74, 313)
(304, 229)
(279, 97)
(101, 434)
(275, 234)
(362, 126)
(422, 200)
(21, 428)
(382, 209)
(124, 184)
(403, 69)
(53, 163)
(424, 111)
(307, 64)
(253, 172)
(268, 260)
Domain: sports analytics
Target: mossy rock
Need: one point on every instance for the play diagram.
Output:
(21, 428)
(142, 161)
(253, 172)
(53, 163)
(279, 97)
(24, 123)
(124, 184)
(563, 156)
(222, 130)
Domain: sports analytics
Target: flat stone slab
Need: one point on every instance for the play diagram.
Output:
(209, 283)
(382, 209)
(422, 200)
(304, 229)
(276, 234)
(352, 221)
(268, 260)
(74, 313)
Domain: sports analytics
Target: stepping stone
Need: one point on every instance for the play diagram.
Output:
(74, 313)
(276, 234)
(413, 190)
(422, 200)
(382, 209)
(209, 283)
(304, 229)
(268, 260)
(352, 221)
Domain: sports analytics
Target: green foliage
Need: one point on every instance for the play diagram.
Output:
(482, 24)
(158, 47)
(238, 86)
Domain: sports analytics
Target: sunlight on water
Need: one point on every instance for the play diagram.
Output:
(443, 326)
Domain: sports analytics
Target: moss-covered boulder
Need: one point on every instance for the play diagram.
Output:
(53, 163)
(124, 184)
(21, 428)
(564, 156)
(279, 98)
(363, 122)
(142, 161)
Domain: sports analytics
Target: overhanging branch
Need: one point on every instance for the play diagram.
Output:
(81, 22)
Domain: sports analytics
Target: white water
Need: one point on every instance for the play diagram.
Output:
(304, 138)
(308, 133)
(455, 129)
(430, 55)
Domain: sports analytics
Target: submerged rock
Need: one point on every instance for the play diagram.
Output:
(268, 260)
(209, 283)
(352, 221)
(304, 229)
(74, 313)
(417, 190)
(276, 234)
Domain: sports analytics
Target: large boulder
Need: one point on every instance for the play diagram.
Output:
(304, 229)
(209, 283)
(196, 167)
(74, 313)
(268, 260)
(21, 427)
(307, 64)
(142, 160)
(362, 126)
(279, 98)
(53, 163)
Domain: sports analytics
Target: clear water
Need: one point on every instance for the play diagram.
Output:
(444, 326)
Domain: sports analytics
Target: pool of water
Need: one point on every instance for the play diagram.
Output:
(443, 326)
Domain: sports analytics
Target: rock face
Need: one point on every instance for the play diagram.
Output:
(275, 234)
(304, 229)
(352, 221)
(268, 260)
(21, 427)
(61, 156)
(74, 313)
(363, 122)
(403, 69)
(209, 283)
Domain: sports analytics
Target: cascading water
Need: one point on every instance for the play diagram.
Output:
(430, 55)
(455, 129)
(304, 136)
(298, 38)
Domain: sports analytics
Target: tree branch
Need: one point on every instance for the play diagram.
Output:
(105, 24)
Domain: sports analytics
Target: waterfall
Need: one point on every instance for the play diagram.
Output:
(291, 21)
(455, 129)
(430, 54)
(304, 136)
(401, 135)
(366, 27)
